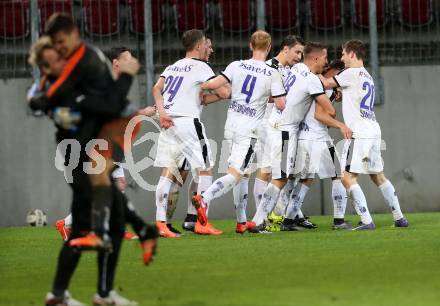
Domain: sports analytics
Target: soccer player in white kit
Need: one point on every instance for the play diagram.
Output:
(189, 223)
(362, 154)
(183, 137)
(253, 83)
(190, 220)
(302, 86)
(316, 155)
(290, 53)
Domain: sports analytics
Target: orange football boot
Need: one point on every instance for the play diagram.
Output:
(62, 229)
(149, 250)
(241, 228)
(200, 206)
(129, 236)
(164, 231)
(207, 229)
(90, 242)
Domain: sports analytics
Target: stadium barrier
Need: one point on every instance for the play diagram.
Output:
(407, 31)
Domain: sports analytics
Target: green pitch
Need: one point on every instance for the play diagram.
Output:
(387, 267)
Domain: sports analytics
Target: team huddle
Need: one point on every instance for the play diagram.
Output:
(278, 119)
(279, 111)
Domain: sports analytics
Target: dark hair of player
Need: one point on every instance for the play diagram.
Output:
(116, 52)
(292, 40)
(59, 22)
(356, 46)
(336, 64)
(190, 39)
(313, 47)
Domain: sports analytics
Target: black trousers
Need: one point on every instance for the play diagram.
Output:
(122, 212)
(81, 222)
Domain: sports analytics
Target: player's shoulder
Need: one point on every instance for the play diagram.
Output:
(273, 62)
(298, 68)
(188, 65)
(302, 71)
(93, 63)
(312, 77)
(363, 73)
(272, 68)
(349, 71)
(93, 53)
(237, 64)
(202, 63)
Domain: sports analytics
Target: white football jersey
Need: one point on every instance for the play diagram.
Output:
(253, 83)
(312, 129)
(284, 71)
(182, 87)
(301, 87)
(358, 102)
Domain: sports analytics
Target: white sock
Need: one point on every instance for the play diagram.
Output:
(339, 196)
(205, 181)
(389, 194)
(192, 190)
(360, 203)
(296, 201)
(240, 192)
(270, 197)
(220, 187)
(162, 193)
(283, 200)
(173, 198)
(259, 187)
(68, 220)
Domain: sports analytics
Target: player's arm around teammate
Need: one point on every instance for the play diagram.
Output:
(324, 117)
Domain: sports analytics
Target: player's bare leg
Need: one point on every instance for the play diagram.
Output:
(390, 196)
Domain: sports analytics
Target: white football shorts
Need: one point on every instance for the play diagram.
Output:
(362, 155)
(280, 152)
(316, 157)
(241, 150)
(184, 143)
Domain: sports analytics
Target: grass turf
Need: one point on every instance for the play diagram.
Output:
(388, 266)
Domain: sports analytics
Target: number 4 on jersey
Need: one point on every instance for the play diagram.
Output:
(248, 87)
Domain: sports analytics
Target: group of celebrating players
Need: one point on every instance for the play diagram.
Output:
(279, 112)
